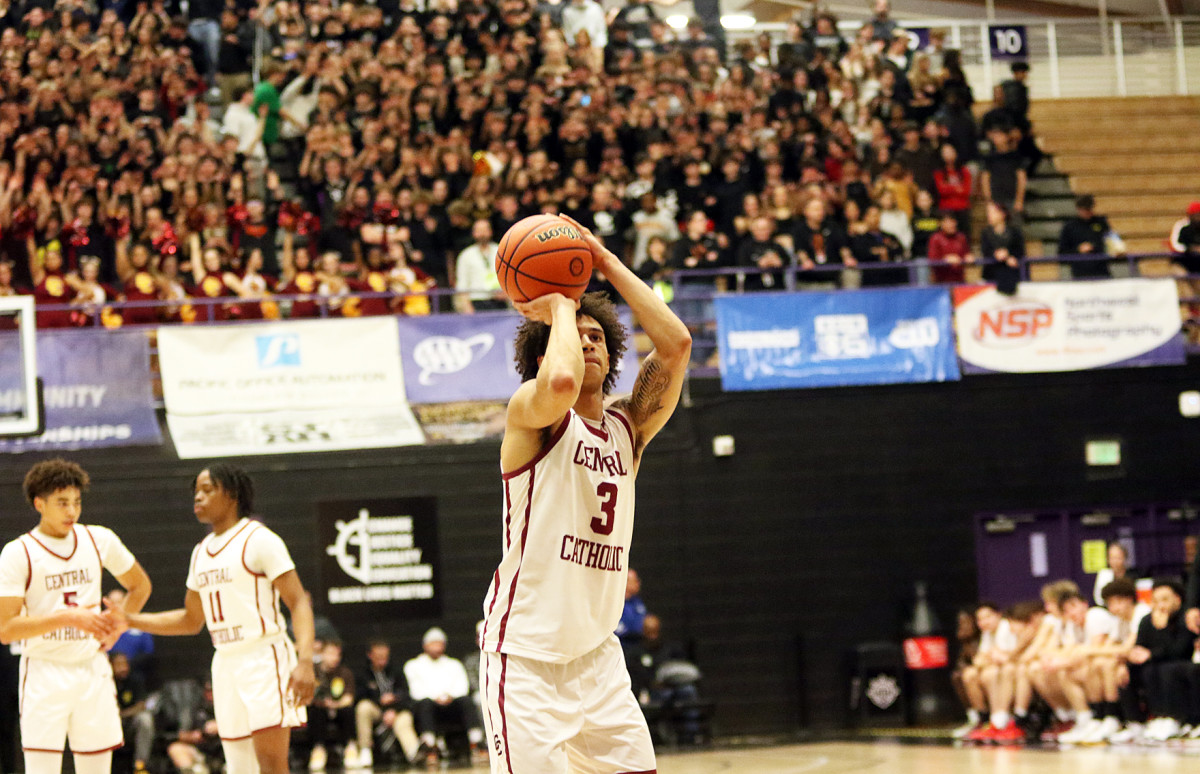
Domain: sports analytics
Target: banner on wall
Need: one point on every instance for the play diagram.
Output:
(97, 390)
(461, 358)
(379, 558)
(285, 387)
(1069, 326)
(785, 340)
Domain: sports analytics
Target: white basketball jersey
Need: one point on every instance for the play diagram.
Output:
(59, 574)
(233, 573)
(568, 521)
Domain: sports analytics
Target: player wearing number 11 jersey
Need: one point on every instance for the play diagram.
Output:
(238, 574)
(555, 688)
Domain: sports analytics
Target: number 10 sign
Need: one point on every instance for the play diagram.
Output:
(1008, 41)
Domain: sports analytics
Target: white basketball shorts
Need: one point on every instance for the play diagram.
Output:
(250, 690)
(69, 701)
(581, 716)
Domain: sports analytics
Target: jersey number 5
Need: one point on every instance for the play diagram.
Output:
(608, 508)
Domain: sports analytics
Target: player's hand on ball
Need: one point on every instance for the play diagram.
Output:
(601, 255)
(301, 685)
(541, 309)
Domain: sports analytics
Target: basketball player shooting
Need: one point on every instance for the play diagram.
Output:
(238, 574)
(556, 690)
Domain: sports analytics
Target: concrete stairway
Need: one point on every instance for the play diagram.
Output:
(1139, 156)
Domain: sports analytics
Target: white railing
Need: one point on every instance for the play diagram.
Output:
(1150, 56)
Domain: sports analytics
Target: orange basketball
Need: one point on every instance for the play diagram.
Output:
(543, 254)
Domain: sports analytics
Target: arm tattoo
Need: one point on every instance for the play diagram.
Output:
(646, 399)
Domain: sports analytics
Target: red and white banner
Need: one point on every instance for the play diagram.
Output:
(1068, 326)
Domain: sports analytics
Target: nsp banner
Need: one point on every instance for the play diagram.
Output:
(379, 558)
(1068, 326)
(97, 390)
(451, 358)
(284, 387)
(828, 339)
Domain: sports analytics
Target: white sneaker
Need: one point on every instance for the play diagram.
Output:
(1101, 732)
(963, 730)
(365, 758)
(1195, 733)
(1162, 729)
(350, 756)
(1128, 735)
(1079, 733)
(317, 761)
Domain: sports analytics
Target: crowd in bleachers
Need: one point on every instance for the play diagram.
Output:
(140, 161)
(1076, 669)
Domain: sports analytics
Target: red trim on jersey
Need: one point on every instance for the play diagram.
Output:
(507, 517)
(600, 432)
(238, 738)
(258, 608)
(270, 728)
(97, 752)
(629, 430)
(647, 771)
(503, 719)
(24, 677)
(230, 540)
(278, 677)
(244, 544)
(512, 589)
(487, 692)
(28, 564)
(42, 750)
(541, 452)
(74, 534)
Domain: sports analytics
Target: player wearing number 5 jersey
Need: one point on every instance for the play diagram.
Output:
(237, 577)
(50, 598)
(556, 691)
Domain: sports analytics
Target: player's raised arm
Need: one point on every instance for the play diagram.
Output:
(660, 379)
(541, 402)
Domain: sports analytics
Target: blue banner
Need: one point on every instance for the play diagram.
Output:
(772, 341)
(97, 391)
(450, 358)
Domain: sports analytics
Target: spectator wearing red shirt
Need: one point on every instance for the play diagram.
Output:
(298, 278)
(951, 249)
(953, 183)
(51, 285)
(136, 272)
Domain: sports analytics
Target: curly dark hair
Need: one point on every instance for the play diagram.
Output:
(49, 476)
(235, 482)
(532, 338)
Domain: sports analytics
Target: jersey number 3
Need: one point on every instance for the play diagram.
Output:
(608, 509)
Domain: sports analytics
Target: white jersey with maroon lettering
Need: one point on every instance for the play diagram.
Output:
(54, 574)
(234, 573)
(568, 522)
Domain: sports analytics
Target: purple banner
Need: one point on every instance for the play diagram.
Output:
(97, 391)
(452, 358)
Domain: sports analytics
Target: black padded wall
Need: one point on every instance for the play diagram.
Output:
(772, 562)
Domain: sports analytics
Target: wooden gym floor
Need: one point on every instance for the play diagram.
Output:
(896, 758)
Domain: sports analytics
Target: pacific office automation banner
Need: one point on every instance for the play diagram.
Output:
(379, 558)
(283, 387)
(1069, 326)
(97, 390)
(783, 340)
(469, 357)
